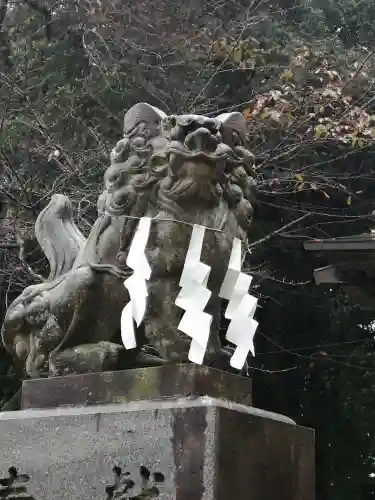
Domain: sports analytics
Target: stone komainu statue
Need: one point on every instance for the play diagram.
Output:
(188, 168)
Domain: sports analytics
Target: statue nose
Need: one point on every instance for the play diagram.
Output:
(201, 140)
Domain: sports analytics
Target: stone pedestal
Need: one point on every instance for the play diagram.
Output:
(173, 381)
(177, 448)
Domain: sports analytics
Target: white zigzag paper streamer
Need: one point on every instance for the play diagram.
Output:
(136, 284)
(194, 297)
(240, 309)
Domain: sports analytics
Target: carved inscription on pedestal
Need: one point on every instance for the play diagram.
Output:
(15, 486)
(143, 487)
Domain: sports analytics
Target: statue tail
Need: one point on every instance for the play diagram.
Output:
(58, 236)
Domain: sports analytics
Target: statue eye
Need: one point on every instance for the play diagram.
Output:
(138, 142)
(158, 161)
(114, 177)
(134, 162)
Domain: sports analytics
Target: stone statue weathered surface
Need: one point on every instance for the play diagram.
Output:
(188, 168)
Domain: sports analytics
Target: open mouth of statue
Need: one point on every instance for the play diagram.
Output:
(200, 165)
(214, 165)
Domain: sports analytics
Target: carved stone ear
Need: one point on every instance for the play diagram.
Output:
(234, 121)
(142, 112)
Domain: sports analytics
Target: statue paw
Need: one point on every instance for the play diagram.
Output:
(100, 357)
(86, 358)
